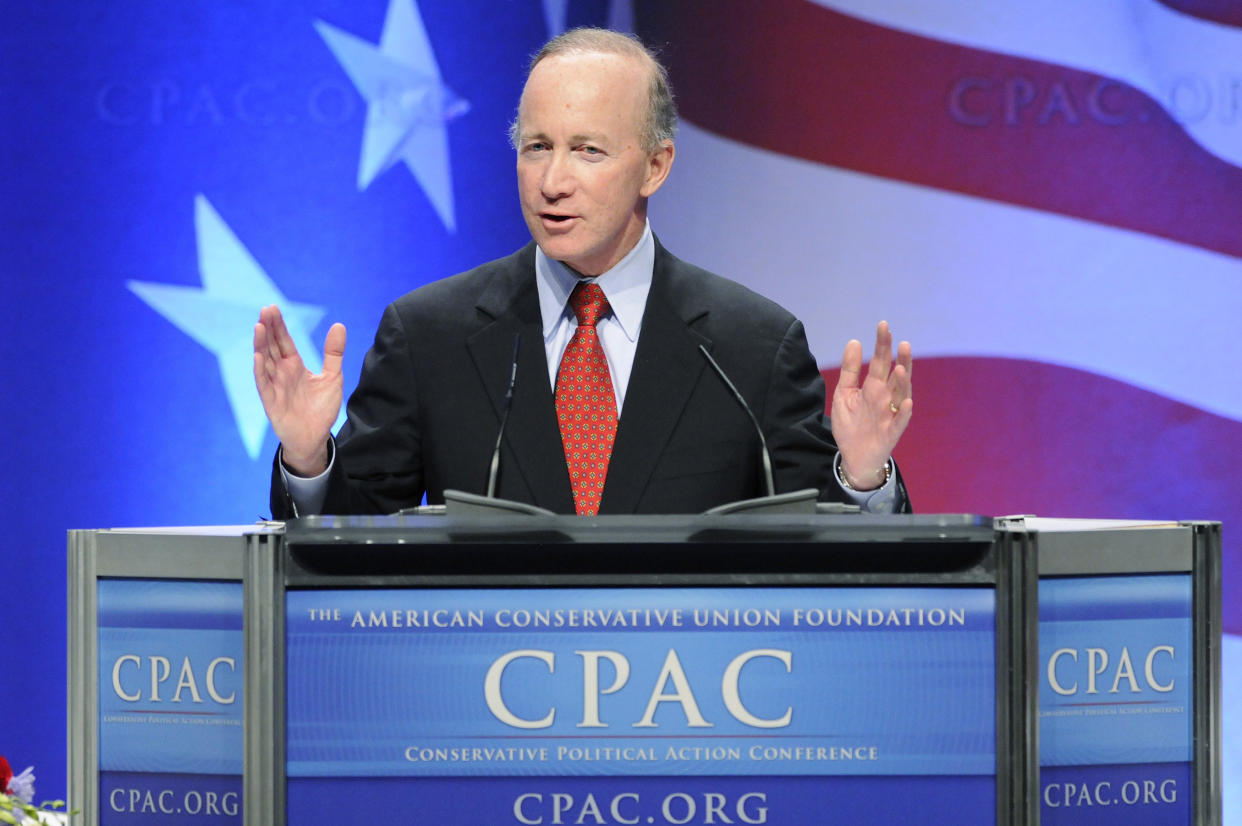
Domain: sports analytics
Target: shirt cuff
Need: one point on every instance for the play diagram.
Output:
(880, 500)
(307, 493)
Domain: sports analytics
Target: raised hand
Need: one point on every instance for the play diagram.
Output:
(869, 417)
(301, 405)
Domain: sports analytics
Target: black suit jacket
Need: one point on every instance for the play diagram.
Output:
(427, 408)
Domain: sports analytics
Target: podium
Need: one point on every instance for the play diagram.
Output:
(778, 669)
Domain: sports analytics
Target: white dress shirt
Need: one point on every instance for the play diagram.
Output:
(625, 286)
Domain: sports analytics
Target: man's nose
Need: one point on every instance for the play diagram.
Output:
(558, 179)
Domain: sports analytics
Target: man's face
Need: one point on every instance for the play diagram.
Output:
(583, 176)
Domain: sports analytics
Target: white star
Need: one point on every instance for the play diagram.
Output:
(221, 316)
(408, 106)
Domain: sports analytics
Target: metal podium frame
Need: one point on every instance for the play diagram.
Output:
(1010, 555)
(208, 553)
(1090, 548)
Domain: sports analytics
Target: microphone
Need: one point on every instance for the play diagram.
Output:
(798, 501)
(494, 470)
(462, 504)
(763, 443)
(469, 505)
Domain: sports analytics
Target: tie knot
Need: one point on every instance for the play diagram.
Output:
(589, 303)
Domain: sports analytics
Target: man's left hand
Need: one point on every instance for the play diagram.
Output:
(869, 417)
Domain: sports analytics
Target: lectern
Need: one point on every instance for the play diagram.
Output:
(779, 669)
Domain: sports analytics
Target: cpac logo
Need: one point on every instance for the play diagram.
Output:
(127, 672)
(671, 671)
(1069, 667)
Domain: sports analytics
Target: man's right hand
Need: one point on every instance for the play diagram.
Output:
(300, 404)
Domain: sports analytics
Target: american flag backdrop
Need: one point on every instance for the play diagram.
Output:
(1044, 198)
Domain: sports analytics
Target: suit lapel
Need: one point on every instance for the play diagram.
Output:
(667, 366)
(532, 442)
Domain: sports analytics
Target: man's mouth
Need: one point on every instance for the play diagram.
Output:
(556, 224)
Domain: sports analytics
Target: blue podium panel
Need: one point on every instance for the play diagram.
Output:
(642, 705)
(170, 702)
(1116, 700)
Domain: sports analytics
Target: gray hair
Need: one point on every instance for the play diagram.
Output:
(660, 122)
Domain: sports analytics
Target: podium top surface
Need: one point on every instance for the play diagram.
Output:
(447, 550)
(714, 528)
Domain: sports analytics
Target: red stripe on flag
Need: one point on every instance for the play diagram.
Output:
(799, 79)
(1001, 436)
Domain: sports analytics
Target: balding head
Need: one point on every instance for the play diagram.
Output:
(660, 114)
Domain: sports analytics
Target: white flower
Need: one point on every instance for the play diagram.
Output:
(22, 786)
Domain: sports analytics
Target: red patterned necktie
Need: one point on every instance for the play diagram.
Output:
(585, 407)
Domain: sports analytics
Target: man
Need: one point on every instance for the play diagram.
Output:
(615, 408)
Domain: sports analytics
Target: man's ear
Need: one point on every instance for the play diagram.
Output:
(658, 166)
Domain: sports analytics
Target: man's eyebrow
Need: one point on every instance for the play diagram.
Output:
(527, 137)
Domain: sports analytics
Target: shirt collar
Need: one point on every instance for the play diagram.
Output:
(625, 286)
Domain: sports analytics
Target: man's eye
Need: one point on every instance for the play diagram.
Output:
(537, 146)
(592, 150)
